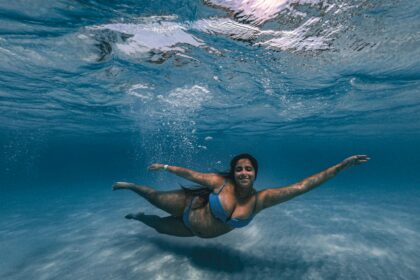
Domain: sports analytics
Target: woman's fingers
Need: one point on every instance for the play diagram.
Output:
(358, 159)
(121, 185)
(363, 158)
(155, 166)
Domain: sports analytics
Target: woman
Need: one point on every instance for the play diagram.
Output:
(225, 202)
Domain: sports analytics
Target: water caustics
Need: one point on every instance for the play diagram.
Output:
(282, 66)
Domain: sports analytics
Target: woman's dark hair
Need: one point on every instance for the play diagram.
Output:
(235, 159)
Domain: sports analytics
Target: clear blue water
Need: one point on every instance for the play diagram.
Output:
(91, 92)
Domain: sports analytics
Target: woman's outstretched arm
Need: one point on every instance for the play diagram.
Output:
(270, 197)
(211, 180)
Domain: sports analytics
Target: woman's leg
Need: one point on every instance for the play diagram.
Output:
(167, 225)
(173, 202)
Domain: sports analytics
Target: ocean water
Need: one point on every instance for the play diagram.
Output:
(92, 92)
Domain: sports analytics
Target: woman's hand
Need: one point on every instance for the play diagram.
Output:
(156, 166)
(355, 160)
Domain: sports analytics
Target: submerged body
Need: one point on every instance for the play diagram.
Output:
(225, 202)
(202, 223)
(213, 219)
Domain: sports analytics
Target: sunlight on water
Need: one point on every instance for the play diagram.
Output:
(290, 54)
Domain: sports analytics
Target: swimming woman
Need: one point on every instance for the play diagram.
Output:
(225, 201)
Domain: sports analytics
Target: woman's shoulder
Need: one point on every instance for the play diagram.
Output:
(224, 183)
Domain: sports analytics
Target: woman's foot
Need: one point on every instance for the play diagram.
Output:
(122, 185)
(134, 216)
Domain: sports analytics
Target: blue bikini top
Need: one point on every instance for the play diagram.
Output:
(219, 212)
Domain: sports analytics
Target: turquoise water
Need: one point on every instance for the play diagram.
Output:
(92, 92)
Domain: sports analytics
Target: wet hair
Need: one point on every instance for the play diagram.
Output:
(235, 160)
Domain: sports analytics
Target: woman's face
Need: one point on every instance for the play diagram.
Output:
(244, 173)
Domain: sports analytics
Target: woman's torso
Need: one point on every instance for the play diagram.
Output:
(203, 222)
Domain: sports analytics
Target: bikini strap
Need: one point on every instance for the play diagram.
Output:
(224, 184)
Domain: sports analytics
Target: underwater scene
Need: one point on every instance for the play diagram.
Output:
(93, 92)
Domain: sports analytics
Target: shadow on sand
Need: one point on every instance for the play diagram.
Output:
(218, 257)
(209, 257)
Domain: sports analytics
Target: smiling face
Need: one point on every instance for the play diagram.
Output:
(244, 173)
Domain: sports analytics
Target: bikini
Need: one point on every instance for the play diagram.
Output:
(219, 212)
